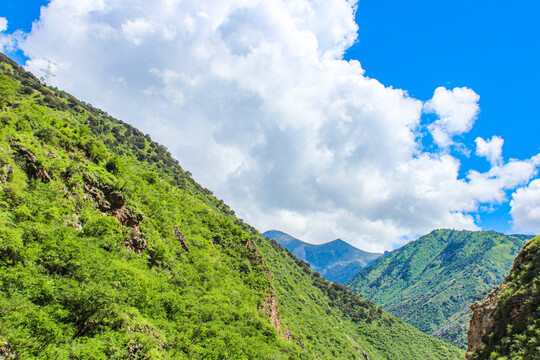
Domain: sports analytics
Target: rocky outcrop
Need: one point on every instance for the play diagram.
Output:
(134, 349)
(6, 352)
(136, 243)
(253, 250)
(505, 321)
(482, 323)
(270, 309)
(112, 202)
(181, 238)
(270, 304)
(33, 166)
(360, 351)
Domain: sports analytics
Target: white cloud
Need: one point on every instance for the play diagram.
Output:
(7, 41)
(253, 98)
(3, 24)
(136, 29)
(457, 110)
(491, 149)
(526, 208)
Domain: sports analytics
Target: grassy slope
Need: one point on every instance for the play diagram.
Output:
(336, 260)
(349, 319)
(515, 333)
(431, 282)
(83, 278)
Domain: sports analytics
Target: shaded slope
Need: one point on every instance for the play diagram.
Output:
(336, 260)
(109, 250)
(431, 282)
(506, 324)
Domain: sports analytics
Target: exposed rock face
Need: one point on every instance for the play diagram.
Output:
(136, 243)
(507, 322)
(6, 352)
(287, 334)
(270, 308)
(181, 238)
(33, 169)
(482, 322)
(270, 304)
(252, 247)
(112, 202)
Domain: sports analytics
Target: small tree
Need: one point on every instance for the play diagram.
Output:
(8, 89)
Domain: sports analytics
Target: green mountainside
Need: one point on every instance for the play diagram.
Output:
(506, 324)
(109, 250)
(335, 260)
(431, 282)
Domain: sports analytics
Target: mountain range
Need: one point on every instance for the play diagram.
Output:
(335, 260)
(110, 250)
(431, 282)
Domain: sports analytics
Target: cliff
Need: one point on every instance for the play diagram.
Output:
(506, 324)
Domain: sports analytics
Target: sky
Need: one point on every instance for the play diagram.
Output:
(374, 122)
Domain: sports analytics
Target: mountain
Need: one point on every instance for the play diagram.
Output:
(506, 324)
(110, 250)
(335, 260)
(431, 282)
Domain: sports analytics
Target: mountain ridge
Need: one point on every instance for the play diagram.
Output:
(110, 250)
(430, 282)
(336, 260)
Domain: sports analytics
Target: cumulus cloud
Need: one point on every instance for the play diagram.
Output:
(3, 24)
(254, 99)
(7, 41)
(135, 30)
(526, 208)
(457, 110)
(491, 149)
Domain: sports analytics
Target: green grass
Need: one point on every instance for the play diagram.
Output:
(91, 266)
(431, 282)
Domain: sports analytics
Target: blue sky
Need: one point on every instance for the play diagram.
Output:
(489, 46)
(418, 46)
(20, 16)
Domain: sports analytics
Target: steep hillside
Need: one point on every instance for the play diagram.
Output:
(506, 324)
(431, 282)
(335, 260)
(109, 250)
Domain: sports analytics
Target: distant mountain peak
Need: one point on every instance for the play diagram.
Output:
(336, 260)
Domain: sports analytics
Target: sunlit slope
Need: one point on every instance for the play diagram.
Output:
(431, 282)
(109, 250)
